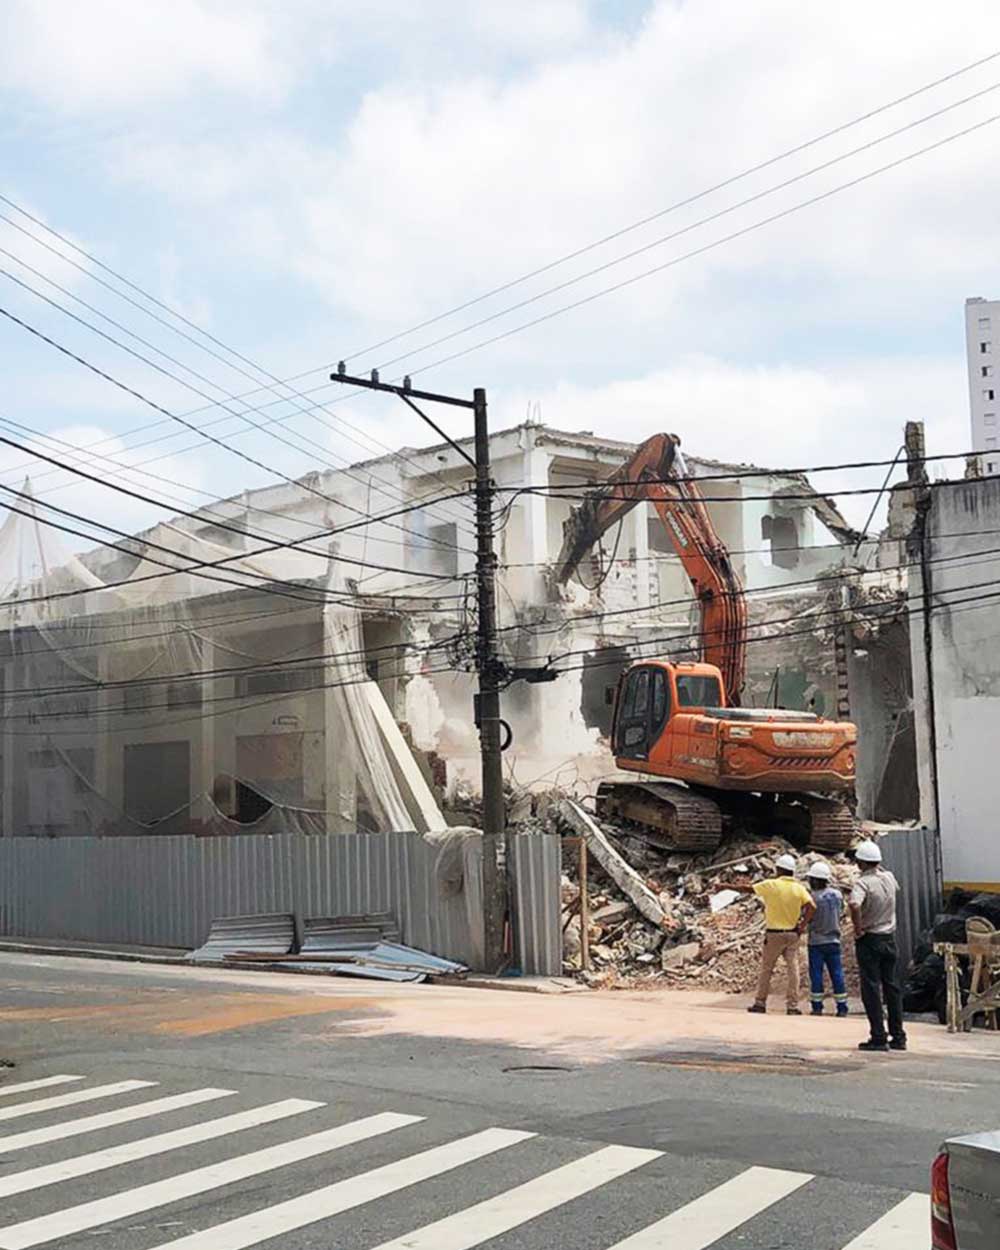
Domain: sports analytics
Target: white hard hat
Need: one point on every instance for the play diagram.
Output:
(787, 862)
(820, 870)
(868, 853)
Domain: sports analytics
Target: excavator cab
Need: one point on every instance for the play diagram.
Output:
(650, 693)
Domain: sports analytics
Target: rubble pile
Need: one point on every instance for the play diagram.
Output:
(710, 936)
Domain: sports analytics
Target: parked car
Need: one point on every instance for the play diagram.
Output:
(965, 1194)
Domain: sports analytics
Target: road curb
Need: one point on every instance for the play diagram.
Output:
(519, 985)
(90, 952)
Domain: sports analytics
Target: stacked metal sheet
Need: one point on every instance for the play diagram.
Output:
(358, 946)
(272, 934)
(369, 946)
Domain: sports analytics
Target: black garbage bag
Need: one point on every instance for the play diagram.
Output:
(986, 905)
(949, 928)
(923, 948)
(924, 984)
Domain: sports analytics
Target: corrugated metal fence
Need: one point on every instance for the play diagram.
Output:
(164, 891)
(911, 856)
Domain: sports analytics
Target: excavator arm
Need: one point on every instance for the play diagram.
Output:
(657, 474)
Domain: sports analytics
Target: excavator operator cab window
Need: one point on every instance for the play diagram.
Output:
(695, 691)
(645, 705)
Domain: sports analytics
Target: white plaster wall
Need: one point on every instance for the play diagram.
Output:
(965, 667)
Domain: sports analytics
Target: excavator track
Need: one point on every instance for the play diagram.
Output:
(669, 815)
(832, 825)
(676, 818)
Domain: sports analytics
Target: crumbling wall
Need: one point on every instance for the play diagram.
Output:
(880, 682)
(790, 653)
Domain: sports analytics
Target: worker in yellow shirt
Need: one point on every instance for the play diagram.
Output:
(788, 908)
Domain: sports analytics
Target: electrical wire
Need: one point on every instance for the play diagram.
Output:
(695, 225)
(301, 484)
(827, 579)
(705, 248)
(242, 531)
(671, 208)
(957, 605)
(344, 469)
(506, 286)
(308, 409)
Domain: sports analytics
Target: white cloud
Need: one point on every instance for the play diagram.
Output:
(107, 53)
(439, 189)
(803, 341)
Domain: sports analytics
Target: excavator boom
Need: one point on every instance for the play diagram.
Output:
(656, 473)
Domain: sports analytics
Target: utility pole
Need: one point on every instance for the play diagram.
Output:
(493, 674)
(490, 672)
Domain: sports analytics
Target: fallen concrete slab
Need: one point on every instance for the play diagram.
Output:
(623, 875)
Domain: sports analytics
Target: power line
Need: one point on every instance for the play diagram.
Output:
(744, 471)
(957, 605)
(215, 521)
(826, 579)
(94, 260)
(707, 247)
(695, 225)
(263, 583)
(307, 409)
(961, 560)
(344, 469)
(300, 484)
(671, 208)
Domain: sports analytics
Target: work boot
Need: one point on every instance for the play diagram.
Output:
(793, 1011)
(841, 1010)
(757, 1009)
(897, 1043)
(817, 1009)
(871, 1044)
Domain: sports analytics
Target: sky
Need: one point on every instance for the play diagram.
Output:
(304, 181)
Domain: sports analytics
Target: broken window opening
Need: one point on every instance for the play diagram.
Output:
(250, 806)
(781, 533)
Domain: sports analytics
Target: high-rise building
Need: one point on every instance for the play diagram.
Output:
(982, 347)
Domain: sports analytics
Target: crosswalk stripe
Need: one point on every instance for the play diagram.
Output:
(24, 1086)
(69, 1100)
(320, 1204)
(700, 1223)
(907, 1225)
(145, 1147)
(477, 1224)
(108, 1119)
(86, 1215)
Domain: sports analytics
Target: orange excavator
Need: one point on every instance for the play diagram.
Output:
(707, 763)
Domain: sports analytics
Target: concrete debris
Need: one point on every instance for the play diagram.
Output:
(721, 900)
(678, 956)
(663, 918)
(623, 875)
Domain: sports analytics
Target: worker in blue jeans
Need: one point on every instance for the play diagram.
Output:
(824, 940)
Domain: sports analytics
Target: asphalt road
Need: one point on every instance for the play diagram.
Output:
(148, 1108)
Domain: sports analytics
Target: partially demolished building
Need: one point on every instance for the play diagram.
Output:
(268, 684)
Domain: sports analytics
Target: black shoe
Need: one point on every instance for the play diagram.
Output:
(897, 1043)
(871, 1044)
(757, 1009)
(793, 1011)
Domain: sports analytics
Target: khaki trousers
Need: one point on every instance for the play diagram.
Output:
(780, 946)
